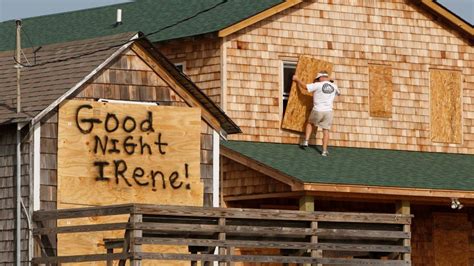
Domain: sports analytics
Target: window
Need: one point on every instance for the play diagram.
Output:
(289, 69)
(446, 106)
(380, 91)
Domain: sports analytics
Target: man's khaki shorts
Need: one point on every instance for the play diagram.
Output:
(321, 119)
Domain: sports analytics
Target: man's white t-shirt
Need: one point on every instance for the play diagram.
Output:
(323, 95)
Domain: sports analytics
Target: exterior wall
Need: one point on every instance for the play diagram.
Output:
(424, 246)
(240, 180)
(7, 193)
(128, 78)
(202, 62)
(351, 35)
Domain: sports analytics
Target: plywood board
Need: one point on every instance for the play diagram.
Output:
(446, 106)
(380, 91)
(451, 233)
(154, 157)
(300, 101)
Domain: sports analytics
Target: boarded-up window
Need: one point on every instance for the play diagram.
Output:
(445, 97)
(380, 91)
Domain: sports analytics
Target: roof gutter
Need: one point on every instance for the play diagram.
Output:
(53, 105)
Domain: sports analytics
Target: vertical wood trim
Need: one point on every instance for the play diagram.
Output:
(403, 207)
(222, 250)
(36, 166)
(307, 203)
(134, 234)
(215, 169)
(223, 54)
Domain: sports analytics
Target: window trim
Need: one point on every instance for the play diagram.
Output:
(281, 91)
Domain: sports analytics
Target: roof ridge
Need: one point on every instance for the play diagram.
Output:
(71, 11)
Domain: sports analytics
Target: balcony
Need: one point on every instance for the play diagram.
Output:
(228, 235)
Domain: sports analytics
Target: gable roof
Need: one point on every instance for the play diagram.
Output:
(173, 19)
(363, 167)
(68, 66)
(141, 15)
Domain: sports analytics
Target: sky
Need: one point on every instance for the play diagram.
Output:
(13, 9)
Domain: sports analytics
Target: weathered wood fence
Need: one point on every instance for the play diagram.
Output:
(224, 234)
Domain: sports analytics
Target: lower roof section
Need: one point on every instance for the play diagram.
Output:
(362, 167)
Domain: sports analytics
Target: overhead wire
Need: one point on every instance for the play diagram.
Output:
(123, 43)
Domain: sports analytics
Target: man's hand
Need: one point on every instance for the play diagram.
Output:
(299, 82)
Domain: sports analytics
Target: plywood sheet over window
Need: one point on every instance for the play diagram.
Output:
(380, 91)
(446, 106)
(300, 102)
(451, 234)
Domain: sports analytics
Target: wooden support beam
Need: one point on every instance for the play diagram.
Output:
(307, 203)
(222, 250)
(135, 247)
(403, 207)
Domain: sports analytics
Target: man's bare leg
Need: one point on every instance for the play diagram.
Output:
(308, 131)
(325, 140)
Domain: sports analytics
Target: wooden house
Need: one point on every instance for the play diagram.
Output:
(403, 137)
(104, 121)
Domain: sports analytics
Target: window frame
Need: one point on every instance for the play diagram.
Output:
(282, 97)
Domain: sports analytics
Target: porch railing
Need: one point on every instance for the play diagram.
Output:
(230, 235)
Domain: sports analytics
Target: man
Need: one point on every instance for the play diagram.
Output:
(324, 91)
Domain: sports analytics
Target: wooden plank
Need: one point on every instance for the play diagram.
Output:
(278, 259)
(446, 106)
(80, 258)
(380, 91)
(258, 17)
(83, 212)
(278, 229)
(300, 102)
(134, 234)
(273, 244)
(403, 207)
(80, 228)
(365, 234)
(133, 173)
(451, 234)
(222, 237)
(393, 192)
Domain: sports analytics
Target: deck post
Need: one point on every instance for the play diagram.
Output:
(403, 207)
(307, 204)
(134, 234)
(222, 250)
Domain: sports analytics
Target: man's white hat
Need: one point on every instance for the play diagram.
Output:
(321, 74)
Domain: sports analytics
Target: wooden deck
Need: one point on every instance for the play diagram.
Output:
(221, 234)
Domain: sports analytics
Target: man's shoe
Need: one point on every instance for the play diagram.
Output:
(325, 154)
(304, 144)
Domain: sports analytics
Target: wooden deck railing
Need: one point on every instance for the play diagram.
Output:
(226, 235)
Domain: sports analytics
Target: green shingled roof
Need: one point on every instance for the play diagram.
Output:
(370, 167)
(142, 15)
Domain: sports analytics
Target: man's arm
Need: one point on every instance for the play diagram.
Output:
(300, 83)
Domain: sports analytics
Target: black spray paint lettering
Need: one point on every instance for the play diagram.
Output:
(139, 175)
(112, 123)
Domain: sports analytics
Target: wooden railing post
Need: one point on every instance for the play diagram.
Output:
(307, 204)
(134, 234)
(403, 207)
(222, 250)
